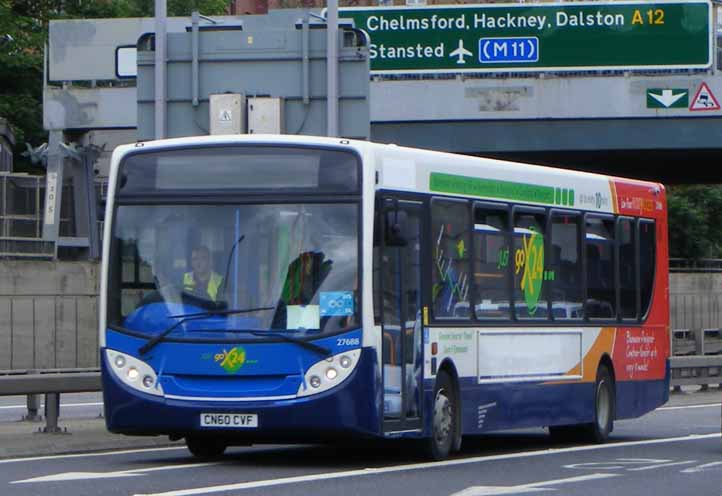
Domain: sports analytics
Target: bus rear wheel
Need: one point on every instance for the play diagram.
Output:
(443, 421)
(599, 430)
(205, 448)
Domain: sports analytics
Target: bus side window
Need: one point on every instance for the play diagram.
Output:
(492, 257)
(450, 258)
(626, 234)
(530, 291)
(564, 266)
(647, 262)
(599, 249)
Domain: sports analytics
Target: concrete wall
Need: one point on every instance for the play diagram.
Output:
(695, 301)
(48, 315)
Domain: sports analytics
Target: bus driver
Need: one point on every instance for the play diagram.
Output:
(202, 281)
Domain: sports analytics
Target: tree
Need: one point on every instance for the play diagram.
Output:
(693, 215)
(23, 34)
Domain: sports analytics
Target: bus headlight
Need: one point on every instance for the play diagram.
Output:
(129, 369)
(329, 372)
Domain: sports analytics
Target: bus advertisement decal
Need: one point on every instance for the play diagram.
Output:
(637, 354)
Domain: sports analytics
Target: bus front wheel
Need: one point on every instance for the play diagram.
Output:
(205, 448)
(444, 415)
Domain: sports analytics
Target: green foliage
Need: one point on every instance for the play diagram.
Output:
(21, 60)
(693, 214)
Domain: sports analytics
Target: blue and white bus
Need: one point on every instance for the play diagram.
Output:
(297, 289)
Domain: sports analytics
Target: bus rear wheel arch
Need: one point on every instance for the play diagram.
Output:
(604, 404)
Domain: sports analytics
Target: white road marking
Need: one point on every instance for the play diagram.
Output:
(701, 468)
(671, 464)
(62, 405)
(527, 488)
(83, 455)
(688, 407)
(73, 476)
(422, 466)
(626, 463)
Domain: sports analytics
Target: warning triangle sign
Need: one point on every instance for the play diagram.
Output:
(704, 99)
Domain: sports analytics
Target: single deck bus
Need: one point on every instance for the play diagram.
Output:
(293, 289)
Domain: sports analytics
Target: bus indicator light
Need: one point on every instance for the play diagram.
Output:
(434, 348)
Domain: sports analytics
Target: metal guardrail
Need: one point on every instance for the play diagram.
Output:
(706, 265)
(51, 383)
(696, 358)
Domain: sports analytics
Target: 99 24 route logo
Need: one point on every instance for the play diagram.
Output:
(231, 360)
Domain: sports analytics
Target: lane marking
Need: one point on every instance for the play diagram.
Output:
(671, 464)
(528, 488)
(688, 407)
(701, 468)
(74, 476)
(421, 466)
(83, 455)
(62, 405)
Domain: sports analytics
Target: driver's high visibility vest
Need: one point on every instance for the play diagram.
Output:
(214, 284)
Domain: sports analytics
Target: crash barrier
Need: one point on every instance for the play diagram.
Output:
(696, 357)
(51, 383)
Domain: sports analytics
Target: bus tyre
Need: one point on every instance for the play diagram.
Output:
(205, 448)
(444, 418)
(604, 400)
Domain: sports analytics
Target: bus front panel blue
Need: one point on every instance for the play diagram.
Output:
(261, 379)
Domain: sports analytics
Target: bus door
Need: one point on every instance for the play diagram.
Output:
(401, 316)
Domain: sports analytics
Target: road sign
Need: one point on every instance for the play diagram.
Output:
(575, 36)
(704, 99)
(667, 98)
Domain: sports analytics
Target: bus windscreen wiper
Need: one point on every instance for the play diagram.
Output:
(193, 316)
(321, 350)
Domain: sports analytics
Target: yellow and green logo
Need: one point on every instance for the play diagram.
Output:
(530, 259)
(231, 361)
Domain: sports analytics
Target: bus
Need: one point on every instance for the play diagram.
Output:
(290, 289)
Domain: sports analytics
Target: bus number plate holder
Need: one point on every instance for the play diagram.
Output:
(229, 420)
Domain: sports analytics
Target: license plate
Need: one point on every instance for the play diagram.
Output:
(229, 420)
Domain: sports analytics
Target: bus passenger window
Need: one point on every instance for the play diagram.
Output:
(627, 268)
(491, 262)
(599, 249)
(564, 266)
(450, 258)
(529, 284)
(647, 262)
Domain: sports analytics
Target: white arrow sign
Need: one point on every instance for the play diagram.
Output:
(527, 488)
(668, 97)
(71, 476)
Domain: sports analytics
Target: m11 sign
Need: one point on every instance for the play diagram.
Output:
(540, 37)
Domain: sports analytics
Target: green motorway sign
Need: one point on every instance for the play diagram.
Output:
(542, 37)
